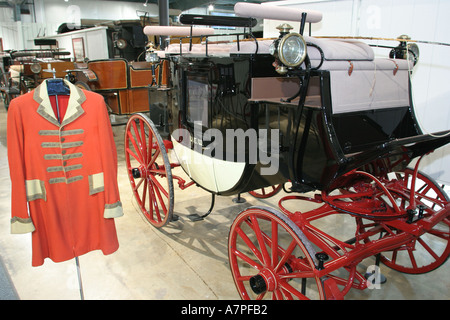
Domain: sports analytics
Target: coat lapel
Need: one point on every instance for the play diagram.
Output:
(74, 109)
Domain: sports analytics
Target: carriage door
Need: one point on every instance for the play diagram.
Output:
(196, 102)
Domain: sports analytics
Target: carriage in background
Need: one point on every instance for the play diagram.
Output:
(23, 70)
(123, 84)
(124, 81)
(323, 115)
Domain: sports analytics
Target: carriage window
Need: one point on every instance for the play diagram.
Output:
(198, 99)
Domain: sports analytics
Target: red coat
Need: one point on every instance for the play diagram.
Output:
(63, 176)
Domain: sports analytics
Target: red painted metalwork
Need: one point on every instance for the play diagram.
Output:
(403, 216)
(284, 254)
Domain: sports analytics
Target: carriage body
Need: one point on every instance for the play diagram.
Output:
(123, 84)
(356, 110)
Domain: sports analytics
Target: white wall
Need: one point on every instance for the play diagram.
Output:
(50, 14)
(95, 42)
(59, 11)
(421, 20)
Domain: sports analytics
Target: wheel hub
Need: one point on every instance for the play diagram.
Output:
(140, 172)
(264, 281)
(136, 173)
(258, 284)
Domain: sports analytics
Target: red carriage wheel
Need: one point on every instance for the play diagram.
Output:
(267, 192)
(149, 170)
(432, 249)
(270, 258)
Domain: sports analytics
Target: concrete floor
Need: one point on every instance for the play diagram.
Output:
(184, 260)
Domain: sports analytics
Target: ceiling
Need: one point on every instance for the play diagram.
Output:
(189, 4)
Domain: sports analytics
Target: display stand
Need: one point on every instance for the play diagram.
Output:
(80, 282)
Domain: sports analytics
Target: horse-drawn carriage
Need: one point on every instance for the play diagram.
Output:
(122, 83)
(321, 114)
(23, 70)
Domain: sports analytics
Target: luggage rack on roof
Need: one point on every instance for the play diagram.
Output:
(205, 20)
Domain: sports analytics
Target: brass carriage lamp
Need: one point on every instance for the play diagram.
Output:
(405, 50)
(289, 49)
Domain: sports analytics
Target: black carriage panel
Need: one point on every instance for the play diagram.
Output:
(159, 100)
(359, 131)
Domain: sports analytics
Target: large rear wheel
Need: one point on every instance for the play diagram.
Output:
(149, 170)
(270, 257)
(432, 249)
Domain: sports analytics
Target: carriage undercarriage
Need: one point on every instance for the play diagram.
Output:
(281, 254)
(395, 212)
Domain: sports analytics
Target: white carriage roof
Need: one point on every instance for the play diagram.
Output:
(178, 31)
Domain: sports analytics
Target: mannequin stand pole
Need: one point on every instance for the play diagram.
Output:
(80, 283)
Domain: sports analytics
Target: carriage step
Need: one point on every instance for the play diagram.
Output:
(195, 217)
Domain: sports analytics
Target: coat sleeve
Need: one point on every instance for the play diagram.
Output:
(20, 218)
(108, 153)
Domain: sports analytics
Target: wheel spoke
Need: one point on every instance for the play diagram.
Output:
(159, 186)
(286, 286)
(286, 255)
(144, 144)
(139, 140)
(274, 246)
(250, 244)
(428, 249)
(161, 201)
(412, 258)
(153, 159)
(144, 192)
(138, 184)
(138, 157)
(440, 234)
(249, 261)
(259, 237)
(150, 144)
(133, 155)
(154, 203)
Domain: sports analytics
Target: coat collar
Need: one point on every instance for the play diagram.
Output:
(74, 109)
